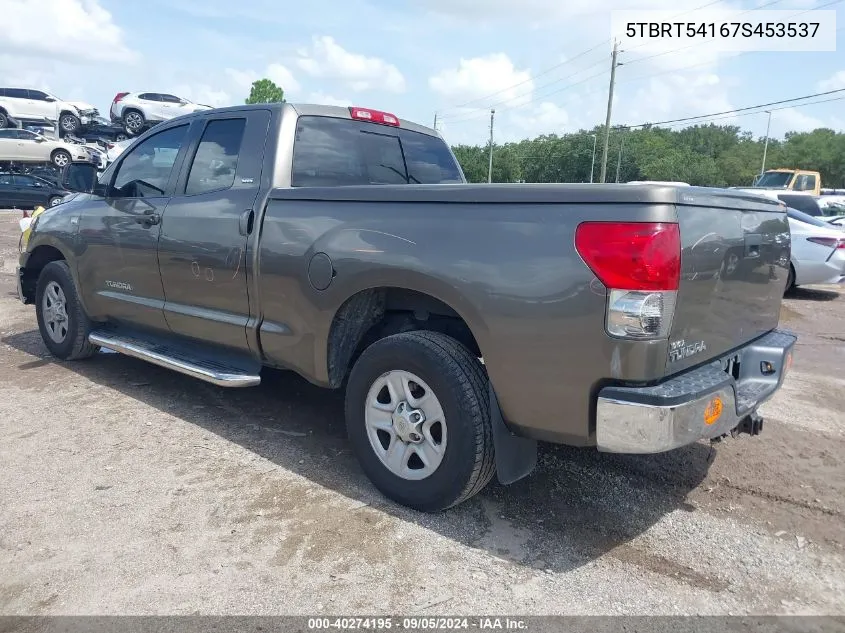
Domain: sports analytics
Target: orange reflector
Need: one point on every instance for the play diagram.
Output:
(713, 411)
(789, 361)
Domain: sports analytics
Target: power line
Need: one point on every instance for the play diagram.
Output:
(731, 112)
(732, 116)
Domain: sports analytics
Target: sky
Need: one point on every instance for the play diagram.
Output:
(543, 65)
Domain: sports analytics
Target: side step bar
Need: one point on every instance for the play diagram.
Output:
(207, 370)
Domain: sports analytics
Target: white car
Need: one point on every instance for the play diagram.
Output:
(818, 251)
(25, 146)
(116, 149)
(137, 110)
(35, 106)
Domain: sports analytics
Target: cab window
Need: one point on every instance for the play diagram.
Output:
(216, 161)
(145, 170)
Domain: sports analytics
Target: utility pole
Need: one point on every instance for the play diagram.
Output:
(619, 159)
(435, 121)
(766, 145)
(613, 64)
(593, 164)
(490, 167)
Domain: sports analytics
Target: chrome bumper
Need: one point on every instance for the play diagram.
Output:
(704, 403)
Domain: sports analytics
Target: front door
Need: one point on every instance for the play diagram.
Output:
(204, 234)
(119, 233)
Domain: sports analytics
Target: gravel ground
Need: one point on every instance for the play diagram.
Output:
(128, 489)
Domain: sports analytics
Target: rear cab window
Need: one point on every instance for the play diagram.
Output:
(332, 152)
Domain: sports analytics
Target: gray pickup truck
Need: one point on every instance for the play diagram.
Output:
(465, 322)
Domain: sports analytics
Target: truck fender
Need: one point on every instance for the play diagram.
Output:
(516, 456)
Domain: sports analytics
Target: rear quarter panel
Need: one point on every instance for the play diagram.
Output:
(510, 270)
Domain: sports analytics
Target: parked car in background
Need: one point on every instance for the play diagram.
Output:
(791, 179)
(137, 111)
(47, 172)
(806, 202)
(832, 205)
(26, 191)
(818, 250)
(34, 106)
(25, 146)
(113, 150)
(101, 129)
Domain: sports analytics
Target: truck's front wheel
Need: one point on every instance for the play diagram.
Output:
(63, 323)
(418, 418)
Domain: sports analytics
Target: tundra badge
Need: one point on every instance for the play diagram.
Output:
(679, 350)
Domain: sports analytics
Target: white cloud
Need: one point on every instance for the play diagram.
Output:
(835, 82)
(68, 30)
(283, 77)
(794, 120)
(326, 59)
(326, 99)
(242, 80)
(674, 96)
(493, 75)
(204, 94)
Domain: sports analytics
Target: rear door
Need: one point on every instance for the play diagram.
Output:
(203, 245)
(734, 266)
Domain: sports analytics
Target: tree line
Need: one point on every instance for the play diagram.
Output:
(708, 155)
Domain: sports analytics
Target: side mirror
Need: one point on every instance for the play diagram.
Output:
(37, 184)
(79, 177)
(39, 139)
(49, 99)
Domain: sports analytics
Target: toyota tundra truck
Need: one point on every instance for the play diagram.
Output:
(464, 322)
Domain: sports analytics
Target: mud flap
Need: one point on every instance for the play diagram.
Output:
(516, 456)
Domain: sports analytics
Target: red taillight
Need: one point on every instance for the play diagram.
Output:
(119, 96)
(632, 255)
(830, 242)
(374, 116)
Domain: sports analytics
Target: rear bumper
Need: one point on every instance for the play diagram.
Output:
(704, 403)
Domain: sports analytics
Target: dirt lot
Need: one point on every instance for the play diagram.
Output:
(130, 489)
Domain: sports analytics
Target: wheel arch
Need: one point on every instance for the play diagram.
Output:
(370, 313)
(38, 258)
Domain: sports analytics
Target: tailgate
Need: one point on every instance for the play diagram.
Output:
(734, 264)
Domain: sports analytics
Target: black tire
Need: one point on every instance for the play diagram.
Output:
(75, 345)
(790, 280)
(54, 200)
(69, 122)
(60, 158)
(129, 118)
(460, 383)
(4, 120)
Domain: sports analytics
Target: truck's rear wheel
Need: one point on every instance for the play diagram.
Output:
(418, 418)
(63, 323)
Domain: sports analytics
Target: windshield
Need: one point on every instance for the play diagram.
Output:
(795, 214)
(775, 179)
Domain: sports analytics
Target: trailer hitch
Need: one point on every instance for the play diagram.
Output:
(751, 424)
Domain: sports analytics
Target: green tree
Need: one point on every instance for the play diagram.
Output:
(265, 91)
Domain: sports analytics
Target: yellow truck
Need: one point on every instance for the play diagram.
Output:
(791, 179)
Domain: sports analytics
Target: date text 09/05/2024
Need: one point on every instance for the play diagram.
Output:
(417, 623)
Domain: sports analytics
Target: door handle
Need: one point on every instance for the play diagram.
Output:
(246, 221)
(149, 219)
